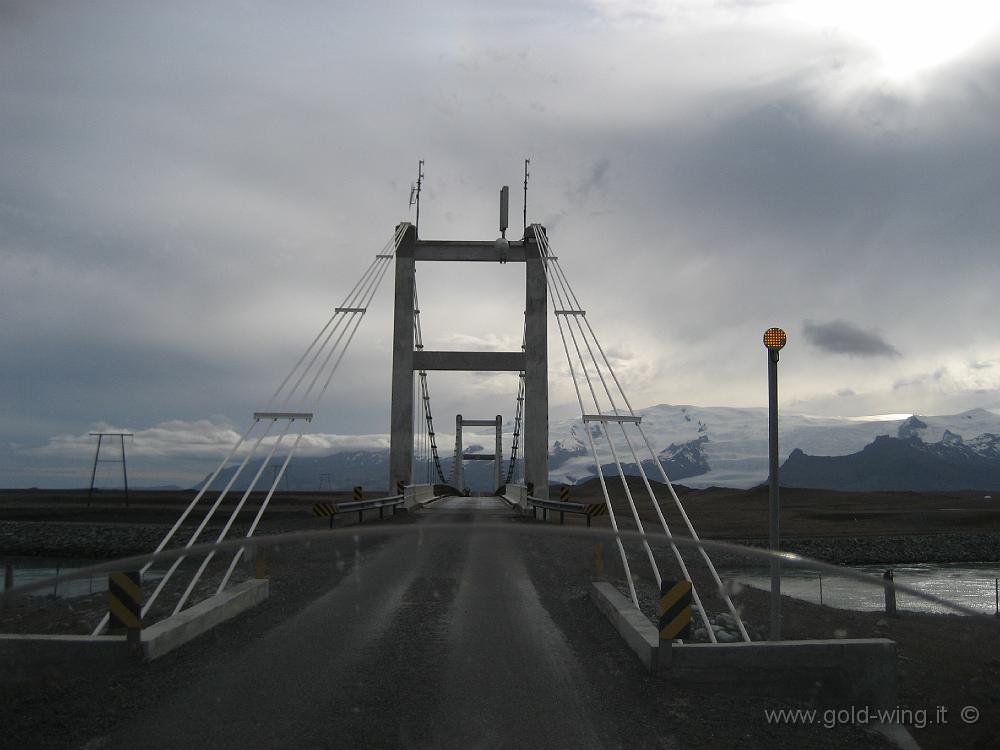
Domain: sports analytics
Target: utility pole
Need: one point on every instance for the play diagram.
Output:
(774, 340)
(97, 459)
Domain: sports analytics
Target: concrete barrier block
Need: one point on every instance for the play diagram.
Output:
(168, 634)
(415, 495)
(829, 673)
(638, 632)
(517, 495)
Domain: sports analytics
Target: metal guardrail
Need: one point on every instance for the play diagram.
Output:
(362, 505)
(546, 505)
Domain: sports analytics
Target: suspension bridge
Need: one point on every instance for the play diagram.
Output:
(613, 428)
(457, 621)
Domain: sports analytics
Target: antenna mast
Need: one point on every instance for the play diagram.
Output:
(415, 191)
(526, 163)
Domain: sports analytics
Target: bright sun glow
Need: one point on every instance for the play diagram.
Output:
(909, 36)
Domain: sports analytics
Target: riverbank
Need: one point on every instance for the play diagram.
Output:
(875, 550)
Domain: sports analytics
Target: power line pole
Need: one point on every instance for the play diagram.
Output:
(97, 459)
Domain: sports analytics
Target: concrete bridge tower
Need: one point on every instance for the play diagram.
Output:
(533, 361)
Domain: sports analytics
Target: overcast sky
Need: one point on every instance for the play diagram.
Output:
(189, 188)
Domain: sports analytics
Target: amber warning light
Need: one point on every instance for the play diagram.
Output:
(774, 338)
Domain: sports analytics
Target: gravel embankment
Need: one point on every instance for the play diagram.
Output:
(113, 540)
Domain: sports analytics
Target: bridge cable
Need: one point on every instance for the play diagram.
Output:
(350, 312)
(572, 304)
(576, 386)
(680, 507)
(518, 413)
(425, 397)
(353, 323)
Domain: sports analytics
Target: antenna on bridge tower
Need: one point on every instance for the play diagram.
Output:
(415, 192)
(504, 206)
(501, 244)
(526, 175)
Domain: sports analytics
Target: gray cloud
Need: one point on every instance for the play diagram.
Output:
(187, 192)
(596, 178)
(843, 337)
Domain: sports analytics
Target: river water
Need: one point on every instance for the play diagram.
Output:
(970, 584)
(32, 569)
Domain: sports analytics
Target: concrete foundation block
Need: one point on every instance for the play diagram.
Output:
(631, 624)
(168, 634)
(828, 673)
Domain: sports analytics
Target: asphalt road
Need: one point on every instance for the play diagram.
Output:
(435, 641)
(479, 639)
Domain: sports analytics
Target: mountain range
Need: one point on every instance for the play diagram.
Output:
(727, 447)
(724, 446)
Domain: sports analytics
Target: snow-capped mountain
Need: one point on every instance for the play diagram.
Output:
(700, 447)
(902, 463)
(705, 446)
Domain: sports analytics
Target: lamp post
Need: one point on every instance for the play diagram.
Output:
(774, 341)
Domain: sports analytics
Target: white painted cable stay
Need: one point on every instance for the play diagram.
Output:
(562, 293)
(570, 312)
(315, 364)
(350, 309)
(611, 418)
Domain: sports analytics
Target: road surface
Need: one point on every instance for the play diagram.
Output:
(469, 639)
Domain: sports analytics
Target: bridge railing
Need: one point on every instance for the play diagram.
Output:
(381, 503)
(556, 505)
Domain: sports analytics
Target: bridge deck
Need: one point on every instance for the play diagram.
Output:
(444, 637)
(491, 505)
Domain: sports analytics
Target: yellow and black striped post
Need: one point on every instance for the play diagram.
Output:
(595, 509)
(563, 497)
(358, 495)
(125, 605)
(325, 510)
(675, 610)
